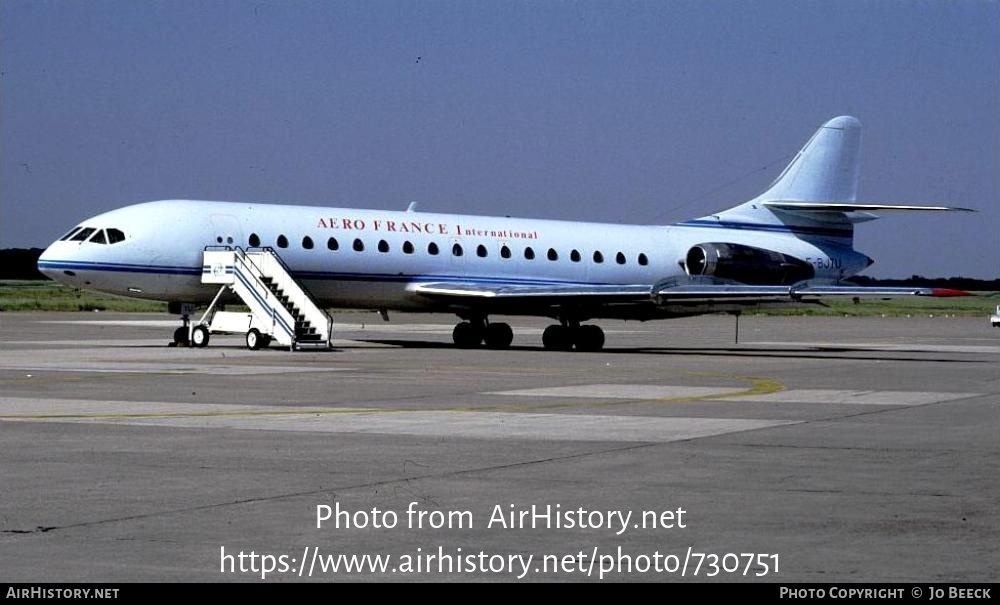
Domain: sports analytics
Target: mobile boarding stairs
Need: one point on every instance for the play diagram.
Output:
(281, 309)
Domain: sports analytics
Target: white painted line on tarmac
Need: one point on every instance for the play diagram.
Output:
(122, 342)
(622, 391)
(915, 347)
(164, 368)
(832, 396)
(474, 425)
(34, 408)
(136, 323)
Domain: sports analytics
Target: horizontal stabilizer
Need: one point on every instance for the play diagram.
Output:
(721, 292)
(792, 206)
(807, 290)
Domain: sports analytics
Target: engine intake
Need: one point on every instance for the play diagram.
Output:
(746, 264)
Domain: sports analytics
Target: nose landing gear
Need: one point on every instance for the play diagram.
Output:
(184, 336)
(181, 336)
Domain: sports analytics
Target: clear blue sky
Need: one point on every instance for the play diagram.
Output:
(644, 112)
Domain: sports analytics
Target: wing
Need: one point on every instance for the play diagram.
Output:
(676, 293)
(538, 293)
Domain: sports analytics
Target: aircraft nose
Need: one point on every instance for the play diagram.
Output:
(51, 259)
(43, 260)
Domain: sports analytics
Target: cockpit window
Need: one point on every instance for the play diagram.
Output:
(83, 234)
(71, 232)
(99, 238)
(115, 236)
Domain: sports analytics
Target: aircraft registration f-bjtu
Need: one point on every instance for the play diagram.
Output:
(791, 244)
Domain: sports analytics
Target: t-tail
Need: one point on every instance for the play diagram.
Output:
(815, 196)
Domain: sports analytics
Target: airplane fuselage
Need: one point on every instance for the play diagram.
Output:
(368, 258)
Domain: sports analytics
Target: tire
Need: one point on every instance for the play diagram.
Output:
(589, 338)
(181, 337)
(557, 338)
(499, 336)
(254, 339)
(265, 341)
(467, 335)
(199, 337)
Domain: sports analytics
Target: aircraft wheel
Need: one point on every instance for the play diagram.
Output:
(589, 338)
(181, 337)
(499, 336)
(467, 335)
(254, 339)
(199, 337)
(557, 338)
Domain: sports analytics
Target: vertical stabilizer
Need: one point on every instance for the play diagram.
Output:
(826, 169)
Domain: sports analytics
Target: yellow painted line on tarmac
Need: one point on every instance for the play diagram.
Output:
(757, 386)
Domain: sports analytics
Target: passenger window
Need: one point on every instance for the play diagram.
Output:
(505, 252)
(115, 236)
(529, 253)
(254, 240)
(307, 243)
(282, 241)
(70, 234)
(620, 258)
(598, 257)
(407, 247)
(457, 250)
(383, 246)
(432, 249)
(332, 244)
(99, 238)
(359, 246)
(553, 255)
(643, 260)
(574, 256)
(481, 251)
(83, 234)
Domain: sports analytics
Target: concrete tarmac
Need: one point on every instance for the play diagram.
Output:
(826, 449)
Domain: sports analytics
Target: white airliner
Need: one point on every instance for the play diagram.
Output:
(791, 244)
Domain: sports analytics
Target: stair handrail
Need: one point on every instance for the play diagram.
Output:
(240, 256)
(299, 283)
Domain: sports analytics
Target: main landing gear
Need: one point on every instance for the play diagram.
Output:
(565, 336)
(473, 333)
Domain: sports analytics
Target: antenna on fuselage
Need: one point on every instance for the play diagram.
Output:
(412, 207)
